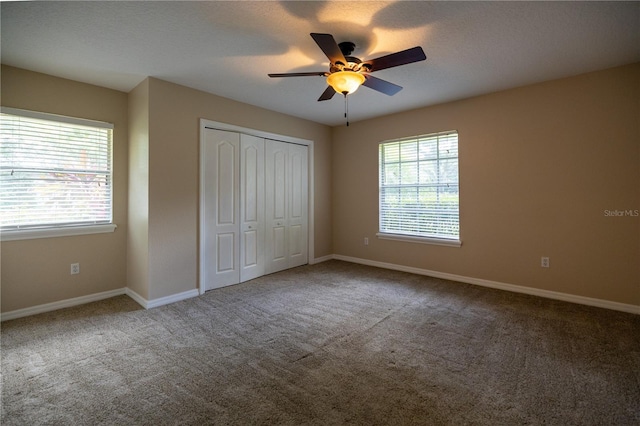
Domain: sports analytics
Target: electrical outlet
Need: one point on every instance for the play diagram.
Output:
(544, 262)
(75, 268)
(366, 241)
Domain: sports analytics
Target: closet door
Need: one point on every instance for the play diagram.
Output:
(251, 207)
(298, 205)
(276, 248)
(254, 207)
(286, 179)
(221, 228)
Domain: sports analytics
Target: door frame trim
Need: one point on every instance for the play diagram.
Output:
(216, 125)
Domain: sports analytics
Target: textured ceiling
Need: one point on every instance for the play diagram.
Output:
(227, 48)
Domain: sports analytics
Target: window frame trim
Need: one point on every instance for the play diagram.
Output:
(51, 231)
(57, 231)
(453, 242)
(56, 117)
(421, 239)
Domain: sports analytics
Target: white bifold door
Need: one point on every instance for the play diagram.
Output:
(286, 205)
(239, 185)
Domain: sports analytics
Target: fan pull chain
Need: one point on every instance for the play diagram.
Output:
(346, 108)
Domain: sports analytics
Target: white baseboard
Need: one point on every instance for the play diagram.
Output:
(321, 259)
(148, 304)
(616, 306)
(67, 303)
(136, 297)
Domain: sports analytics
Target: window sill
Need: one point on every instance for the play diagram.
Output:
(420, 240)
(31, 234)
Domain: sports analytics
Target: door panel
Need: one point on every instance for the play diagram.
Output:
(276, 249)
(279, 189)
(250, 249)
(252, 207)
(221, 232)
(287, 186)
(226, 178)
(225, 249)
(296, 186)
(294, 240)
(250, 183)
(298, 202)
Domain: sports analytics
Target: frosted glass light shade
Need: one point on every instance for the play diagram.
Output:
(345, 81)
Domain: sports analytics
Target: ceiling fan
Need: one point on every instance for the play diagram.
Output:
(346, 73)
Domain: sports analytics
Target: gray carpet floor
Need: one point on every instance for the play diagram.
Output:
(333, 343)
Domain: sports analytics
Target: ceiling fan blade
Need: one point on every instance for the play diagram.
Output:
(329, 46)
(327, 94)
(381, 85)
(415, 54)
(299, 74)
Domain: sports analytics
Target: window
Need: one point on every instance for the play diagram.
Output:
(55, 174)
(419, 197)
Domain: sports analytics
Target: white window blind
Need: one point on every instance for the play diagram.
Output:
(419, 194)
(54, 171)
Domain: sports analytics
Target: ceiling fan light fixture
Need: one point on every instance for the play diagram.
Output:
(345, 82)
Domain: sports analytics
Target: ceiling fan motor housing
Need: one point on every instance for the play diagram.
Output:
(347, 47)
(353, 63)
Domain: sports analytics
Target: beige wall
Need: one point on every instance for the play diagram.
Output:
(539, 165)
(36, 272)
(138, 219)
(174, 119)
(159, 255)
